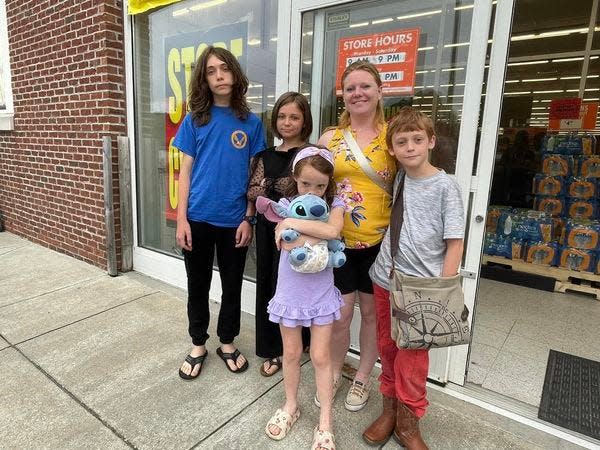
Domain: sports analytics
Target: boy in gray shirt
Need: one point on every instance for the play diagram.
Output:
(430, 245)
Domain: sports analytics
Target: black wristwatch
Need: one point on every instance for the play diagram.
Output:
(250, 219)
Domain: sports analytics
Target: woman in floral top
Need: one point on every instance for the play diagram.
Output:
(366, 219)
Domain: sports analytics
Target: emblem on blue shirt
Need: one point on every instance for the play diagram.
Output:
(239, 139)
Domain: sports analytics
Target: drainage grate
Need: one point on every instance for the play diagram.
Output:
(571, 395)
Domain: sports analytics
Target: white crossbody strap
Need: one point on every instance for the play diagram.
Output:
(361, 159)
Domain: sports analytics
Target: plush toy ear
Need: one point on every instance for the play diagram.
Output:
(273, 211)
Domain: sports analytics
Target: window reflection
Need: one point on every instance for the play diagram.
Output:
(442, 52)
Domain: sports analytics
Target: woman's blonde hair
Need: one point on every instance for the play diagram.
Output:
(372, 70)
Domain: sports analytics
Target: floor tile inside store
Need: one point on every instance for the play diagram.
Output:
(514, 329)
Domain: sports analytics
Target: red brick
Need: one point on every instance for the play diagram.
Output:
(68, 87)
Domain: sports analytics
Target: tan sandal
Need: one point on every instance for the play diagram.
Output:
(283, 421)
(323, 440)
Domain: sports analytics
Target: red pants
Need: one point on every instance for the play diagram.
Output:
(404, 372)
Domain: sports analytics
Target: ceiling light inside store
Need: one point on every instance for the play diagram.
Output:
(274, 39)
(453, 69)
(512, 81)
(517, 93)
(458, 44)
(385, 20)
(422, 49)
(577, 58)
(459, 8)
(531, 80)
(426, 13)
(254, 42)
(208, 4)
(308, 62)
(546, 34)
(591, 99)
(552, 91)
(180, 12)
(360, 24)
(528, 63)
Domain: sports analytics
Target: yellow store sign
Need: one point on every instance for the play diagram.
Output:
(140, 6)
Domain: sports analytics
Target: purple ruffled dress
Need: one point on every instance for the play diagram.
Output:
(305, 299)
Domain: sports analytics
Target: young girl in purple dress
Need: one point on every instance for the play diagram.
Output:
(307, 299)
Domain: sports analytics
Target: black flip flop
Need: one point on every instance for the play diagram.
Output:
(272, 362)
(193, 361)
(233, 357)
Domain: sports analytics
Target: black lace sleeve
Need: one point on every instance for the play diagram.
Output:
(256, 185)
(280, 186)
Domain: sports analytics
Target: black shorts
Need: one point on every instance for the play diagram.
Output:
(354, 274)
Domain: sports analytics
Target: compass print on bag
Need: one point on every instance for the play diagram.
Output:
(431, 316)
(428, 320)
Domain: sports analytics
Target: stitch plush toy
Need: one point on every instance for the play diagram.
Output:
(306, 258)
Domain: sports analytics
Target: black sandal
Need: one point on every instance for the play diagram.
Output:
(193, 361)
(272, 362)
(233, 357)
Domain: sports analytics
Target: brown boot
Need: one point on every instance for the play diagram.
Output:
(407, 431)
(380, 431)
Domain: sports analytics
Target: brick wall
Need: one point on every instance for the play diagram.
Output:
(68, 85)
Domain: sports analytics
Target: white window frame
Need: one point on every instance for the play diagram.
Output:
(6, 114)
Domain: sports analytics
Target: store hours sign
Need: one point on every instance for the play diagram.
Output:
(393, 53)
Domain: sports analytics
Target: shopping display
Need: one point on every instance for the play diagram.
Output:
(563, 228)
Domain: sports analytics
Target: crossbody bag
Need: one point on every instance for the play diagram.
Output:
(426, 311)
(362, 161)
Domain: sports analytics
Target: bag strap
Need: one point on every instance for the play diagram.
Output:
(361, 159)
(396, 221)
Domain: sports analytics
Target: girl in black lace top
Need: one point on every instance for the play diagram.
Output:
(291, 122)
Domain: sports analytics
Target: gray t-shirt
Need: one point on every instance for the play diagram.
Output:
(433, 211)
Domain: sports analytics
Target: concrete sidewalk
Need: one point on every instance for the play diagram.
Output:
(90, 361)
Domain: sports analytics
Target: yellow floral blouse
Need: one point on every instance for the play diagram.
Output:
(367, 205)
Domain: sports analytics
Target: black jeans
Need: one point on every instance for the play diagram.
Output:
(199, 269)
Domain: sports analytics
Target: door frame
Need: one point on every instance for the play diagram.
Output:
(482, 181)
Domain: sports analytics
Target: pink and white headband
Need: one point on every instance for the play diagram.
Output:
(312, 151)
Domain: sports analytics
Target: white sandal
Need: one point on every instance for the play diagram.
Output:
(283, 421)
(323, 439)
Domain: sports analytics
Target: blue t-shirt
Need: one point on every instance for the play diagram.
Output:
(221, 150)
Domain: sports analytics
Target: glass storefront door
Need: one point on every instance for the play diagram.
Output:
(443, 79)
(166, 44)
(553, 59)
